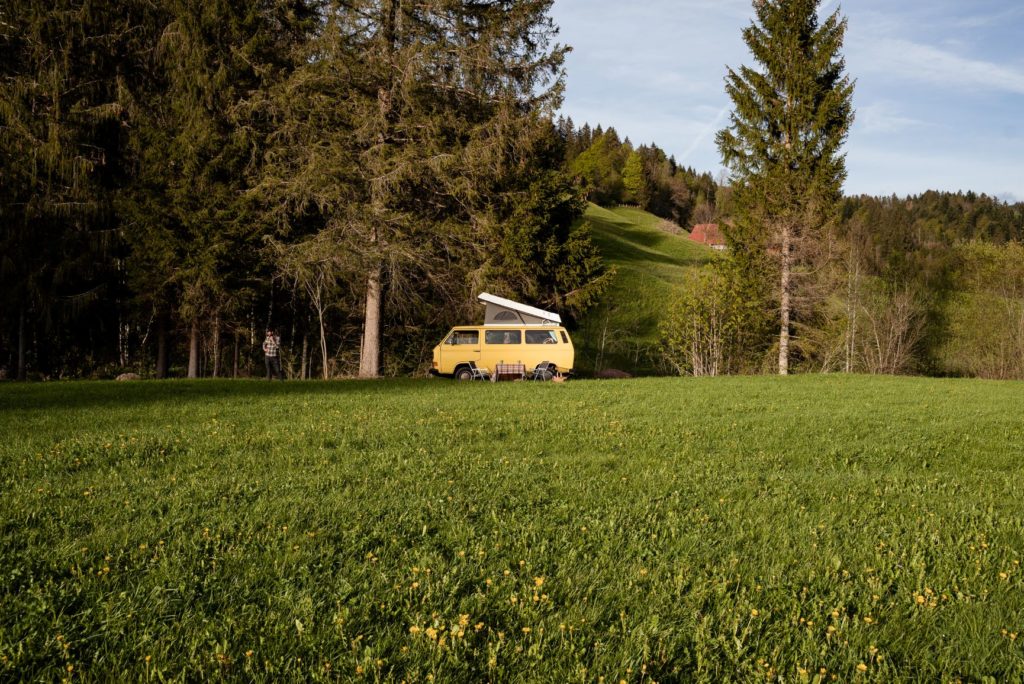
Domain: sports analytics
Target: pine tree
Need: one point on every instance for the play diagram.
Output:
(59, 118)
(634, 181)
(194, 246)
(790, 119)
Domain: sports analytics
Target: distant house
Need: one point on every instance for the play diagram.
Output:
(708, 234)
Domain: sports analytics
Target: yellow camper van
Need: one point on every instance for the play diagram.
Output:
(512, 333)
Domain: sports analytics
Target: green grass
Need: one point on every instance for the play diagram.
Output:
(651, 266)
(711, 530)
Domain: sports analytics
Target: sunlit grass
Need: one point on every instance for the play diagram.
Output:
(651, 266)
(869, 529)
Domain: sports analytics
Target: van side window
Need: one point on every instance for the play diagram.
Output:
(464, 337)
(565, 338)
(503, 337)
(541, 337)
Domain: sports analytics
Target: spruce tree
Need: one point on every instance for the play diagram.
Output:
(634, 181)
(783, 143)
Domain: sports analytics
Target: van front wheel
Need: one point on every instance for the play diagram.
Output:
(463, 373)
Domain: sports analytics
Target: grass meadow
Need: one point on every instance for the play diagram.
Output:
(651, 268)
(807, 529)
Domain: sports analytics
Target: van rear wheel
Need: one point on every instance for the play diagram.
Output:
(463, 373)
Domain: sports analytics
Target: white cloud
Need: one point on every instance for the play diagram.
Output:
(917, 62)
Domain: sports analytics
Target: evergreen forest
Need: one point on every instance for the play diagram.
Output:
(176, 176)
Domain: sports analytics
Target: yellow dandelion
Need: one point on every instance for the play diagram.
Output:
(463, 620)
(149, 658)
(526, 630)
(862, 667)
(414, 629)
(431, 633)
(755, 612)
(868, 619)
(538, 581)
(920, 599)
(248, 654)
(478, 626)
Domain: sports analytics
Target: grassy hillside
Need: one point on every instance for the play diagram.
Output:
(737, 529)
(651, 265)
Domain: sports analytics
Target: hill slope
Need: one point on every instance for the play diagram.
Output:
(651, 265)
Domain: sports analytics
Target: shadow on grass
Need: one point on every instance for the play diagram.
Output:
(111, 394)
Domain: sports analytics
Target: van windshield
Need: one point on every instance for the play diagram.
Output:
(464, 337)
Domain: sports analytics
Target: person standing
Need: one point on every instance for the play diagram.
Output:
(272, 355)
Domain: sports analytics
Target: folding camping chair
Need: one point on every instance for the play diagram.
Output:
(545, 370)
(478, 373)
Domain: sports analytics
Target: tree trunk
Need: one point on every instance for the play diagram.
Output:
(161, 347)
(193, 352)
(784, 304)
(304, 367)
(234, 373)
(369, 359)
(21, 343)
(216, 345)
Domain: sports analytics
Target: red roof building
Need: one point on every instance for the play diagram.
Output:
(708, 234)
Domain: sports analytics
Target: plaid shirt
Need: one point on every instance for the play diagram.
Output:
(271, 345)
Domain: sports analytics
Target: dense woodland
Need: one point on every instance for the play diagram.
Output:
(178, 175)
(175, 176)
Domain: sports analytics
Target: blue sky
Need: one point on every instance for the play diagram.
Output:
(939, 99)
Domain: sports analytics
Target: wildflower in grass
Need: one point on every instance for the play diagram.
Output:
(248, 654)
(478, 626)
(1003, 576)
(755, 612)
(538, 581)
(431, 633)
(526, 630)
(463, 620)
(862, 667)
(415, 629)
(920, 599)
(868, 619)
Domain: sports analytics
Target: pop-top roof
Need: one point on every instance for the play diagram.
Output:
(501, 311)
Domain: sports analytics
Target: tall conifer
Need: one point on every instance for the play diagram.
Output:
(783, 144)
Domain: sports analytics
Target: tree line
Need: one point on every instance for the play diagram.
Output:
(612, 171)
(177, 175)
